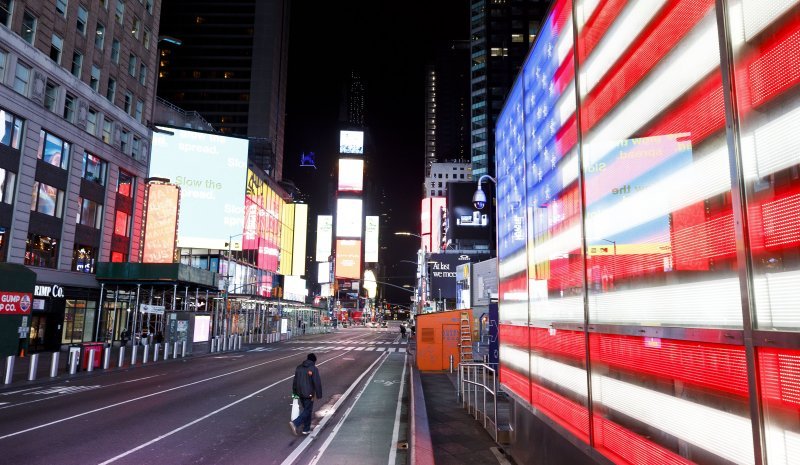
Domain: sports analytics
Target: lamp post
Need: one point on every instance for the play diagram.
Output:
(421, 262)
(227, 280)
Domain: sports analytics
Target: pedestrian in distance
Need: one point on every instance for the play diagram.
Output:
(307, 386)
(402, 331)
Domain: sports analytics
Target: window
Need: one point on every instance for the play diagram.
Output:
(56, 45)
(127, 102)
(107, 131)
(94, 79)
(94, 168)
(83, 258)
(137, 28)
(77, 64)
(100, 36)
(50, 95)
(70, 107)
(53, 150)
(146, 38)
(132, 65)
(119, 14)
(136, 147)
(82, 20)
(61, 7)
(91, 214)
(125, 184)
(124, 141)
(111, 90)
(7, 181)
(148, 5)
(47, 199)
(517, 38)
(6, 7)
(143, 75)
(138, 111)
(115, 51)
(104, 4)
(122, 224)
(41, 251)
(21, 77)
(12, 132)
(28, 27)
(91, 122)
(3, 64)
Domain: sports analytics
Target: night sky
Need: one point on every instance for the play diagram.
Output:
(389, 44)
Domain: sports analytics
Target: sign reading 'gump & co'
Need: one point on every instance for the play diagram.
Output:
(15, 303)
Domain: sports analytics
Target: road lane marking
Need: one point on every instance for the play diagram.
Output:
(396, 430)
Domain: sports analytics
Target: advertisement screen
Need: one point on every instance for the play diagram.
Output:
(300, 232)
(324, 272)
(348, 259)
(202, 326)
(348, 218)
(351, 175)
(351, 142)
(464, 220)
(442, 273)
(433, 208)
(371, 226)
(161, 219)
(262, 223)
(324, 237)
(294, 288)
(210, 170)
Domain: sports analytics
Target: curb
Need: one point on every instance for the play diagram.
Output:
(421, 445)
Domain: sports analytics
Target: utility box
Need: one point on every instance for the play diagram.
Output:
(439, 337)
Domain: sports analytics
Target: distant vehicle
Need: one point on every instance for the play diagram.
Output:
(372, 324)
(384, 325)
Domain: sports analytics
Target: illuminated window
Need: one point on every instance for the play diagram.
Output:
(83, 258)
(41, 251)
(228, 74)
(94, 168)
(11, 134)
(122, 224)
(125, 184)
(91, 214)
(137, 27)
(53, 150)
(47, 199)
(7, 182)
(99, 36)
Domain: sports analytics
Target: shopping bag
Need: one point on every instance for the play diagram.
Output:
(295, 408)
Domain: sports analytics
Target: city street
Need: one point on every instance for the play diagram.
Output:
(229, 407)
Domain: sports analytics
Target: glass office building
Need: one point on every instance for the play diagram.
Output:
(648, 188)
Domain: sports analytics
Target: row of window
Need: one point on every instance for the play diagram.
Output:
(43, 251)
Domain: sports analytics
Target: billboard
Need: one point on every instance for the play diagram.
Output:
(348, 259)
(211, 171)
(464, 221)
(324, 237)
(371, 227)
(294, 288)
(262, 222)
(433, 208)
(351, 175)
(348, 218)
(160, 223)
(442, 273)
(351, 142)
(299, 246)
(324, 272)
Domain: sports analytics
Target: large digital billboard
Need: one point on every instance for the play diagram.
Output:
(464, 221)
(324, 272)
(348, 217)
(210, 170)
(351, 175)
(262, 222)
(371, 227)
(348, 259)
(434, 209)
(324, 237)
(442, 274)
(351, 142)
(160, 223)
(299, 246)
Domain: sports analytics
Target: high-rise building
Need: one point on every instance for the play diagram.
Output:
(501, 35)
(230, 67)
(76, 88)
(354, 101)
(447, 103)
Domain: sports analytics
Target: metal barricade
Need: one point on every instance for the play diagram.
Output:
(477, 385)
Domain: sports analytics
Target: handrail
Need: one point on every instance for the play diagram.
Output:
(474, 380)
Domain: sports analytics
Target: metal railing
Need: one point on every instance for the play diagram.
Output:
(477, 386)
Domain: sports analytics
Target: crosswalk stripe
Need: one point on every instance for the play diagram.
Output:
(369, 348)
(401, 349)
(359, 348)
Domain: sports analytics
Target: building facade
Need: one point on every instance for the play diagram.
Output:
(76, 83)
(438, 175)
(647, 185)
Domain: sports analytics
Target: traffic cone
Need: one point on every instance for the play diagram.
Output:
(22, 353)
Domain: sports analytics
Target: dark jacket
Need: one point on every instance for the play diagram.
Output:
(307, 381)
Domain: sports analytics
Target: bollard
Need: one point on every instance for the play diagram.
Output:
(33, 367)
(166, 351)
(9, 369)
(106, 357)
(224, 344)
(183, 349)
(146, 354)
(175, 350)
(134, 350)
(156, 350)
(90, 364)
(54, 365)
(239, 340)
(451, 363)
(121, 360)
(73, 361)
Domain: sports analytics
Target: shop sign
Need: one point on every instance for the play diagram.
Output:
(47, 290)
(15, 303)
(154, 309)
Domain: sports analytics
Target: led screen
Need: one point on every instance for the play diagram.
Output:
(294, 288)
(324, 237)
(299, 246)
(351, 142)
(348, 259)
(464, 220)
(348, 218)
(202, 326)
(371, 226)
(161, 220)
(434, 209)
(351, 175)
(262, 223)
(324, 272)
(211, 172)
(442, 274)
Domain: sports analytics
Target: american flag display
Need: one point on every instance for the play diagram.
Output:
(620, 219)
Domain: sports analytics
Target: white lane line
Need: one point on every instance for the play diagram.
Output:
(396, 431)
(296, 453)
(3, 406)
(100, 409)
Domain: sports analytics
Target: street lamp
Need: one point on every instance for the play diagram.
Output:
(423, 271)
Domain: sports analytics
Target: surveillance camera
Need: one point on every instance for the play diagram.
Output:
(479, 199)
(479, 204)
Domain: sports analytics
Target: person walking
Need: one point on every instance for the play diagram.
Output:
(307, 385)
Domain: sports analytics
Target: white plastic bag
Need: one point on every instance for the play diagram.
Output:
(295, 408)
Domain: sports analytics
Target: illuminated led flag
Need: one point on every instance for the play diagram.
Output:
(324, 237)
(348, 218)
(351, 175)
(348, 259)
(371, 226)
(161, 223)
(299, 245)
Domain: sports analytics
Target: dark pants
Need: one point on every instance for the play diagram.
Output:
(305, 415)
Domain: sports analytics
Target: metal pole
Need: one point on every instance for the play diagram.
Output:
(451, 363)
(135, 317)
(33, 367)
(100, 312)
(9, 369)
(54, 365)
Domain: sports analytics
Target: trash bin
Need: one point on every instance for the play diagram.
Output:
(86, 347)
